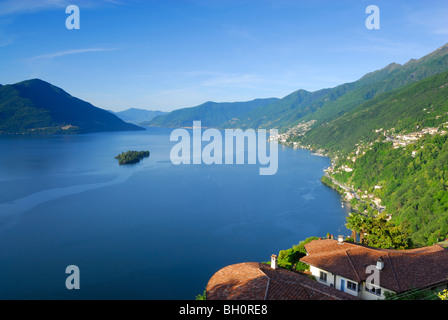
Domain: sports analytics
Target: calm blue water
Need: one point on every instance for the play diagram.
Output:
(148, 231)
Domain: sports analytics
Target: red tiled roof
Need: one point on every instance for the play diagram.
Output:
(403, 269)
(257, 281)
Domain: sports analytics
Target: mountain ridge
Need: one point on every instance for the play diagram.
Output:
(37, 107)
(212, 114)
(329, 103)
(408, 74)
(138, 116)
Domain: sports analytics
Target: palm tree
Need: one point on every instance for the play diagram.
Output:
(355, 223)
(364, 225)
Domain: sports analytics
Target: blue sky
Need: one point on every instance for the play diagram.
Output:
(167, 54)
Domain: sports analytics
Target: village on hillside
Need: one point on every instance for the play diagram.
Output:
(399, 140)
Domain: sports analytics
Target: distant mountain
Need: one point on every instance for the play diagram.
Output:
(280, 113)
(138, 116)
(346, 124)
(327, 104)
(37, 107)
(212, 114)
(416, 105)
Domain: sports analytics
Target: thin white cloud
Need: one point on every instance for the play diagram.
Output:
(5, 40)
(71, 52)
(219, 79)
(11, 7)
(230, 80)
(237, 31)
(432, 18)
(26, 6)
(443, 32)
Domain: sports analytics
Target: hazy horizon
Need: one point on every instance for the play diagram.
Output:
(170, 55)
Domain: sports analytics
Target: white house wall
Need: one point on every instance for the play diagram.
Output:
(335, 281)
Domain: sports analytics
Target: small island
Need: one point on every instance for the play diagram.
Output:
(131, 157)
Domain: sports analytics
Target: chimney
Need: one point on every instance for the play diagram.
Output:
(274, 262)
(340, 239)
(380, 264)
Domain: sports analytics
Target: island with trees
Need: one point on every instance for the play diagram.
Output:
(131, 157)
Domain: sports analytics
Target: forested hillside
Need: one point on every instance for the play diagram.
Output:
(394, 149)
(327, 104)
(418, 105)
(412, 183)
(37, 107)
(211, 114)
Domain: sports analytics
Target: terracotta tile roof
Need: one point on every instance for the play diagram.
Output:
(403, 269)
(257, 281)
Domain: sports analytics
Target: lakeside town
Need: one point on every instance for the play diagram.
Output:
(400, 140)
(349, 192)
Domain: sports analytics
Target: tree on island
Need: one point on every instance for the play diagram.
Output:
(131, 157)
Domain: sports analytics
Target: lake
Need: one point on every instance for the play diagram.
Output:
(153, 230)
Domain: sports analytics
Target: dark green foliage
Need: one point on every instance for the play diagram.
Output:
(131, 157)
(289, 258)
(328, 182)
(202, 296)
(37, 107)
(376, 231)
(413, 294)
(414, 188)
